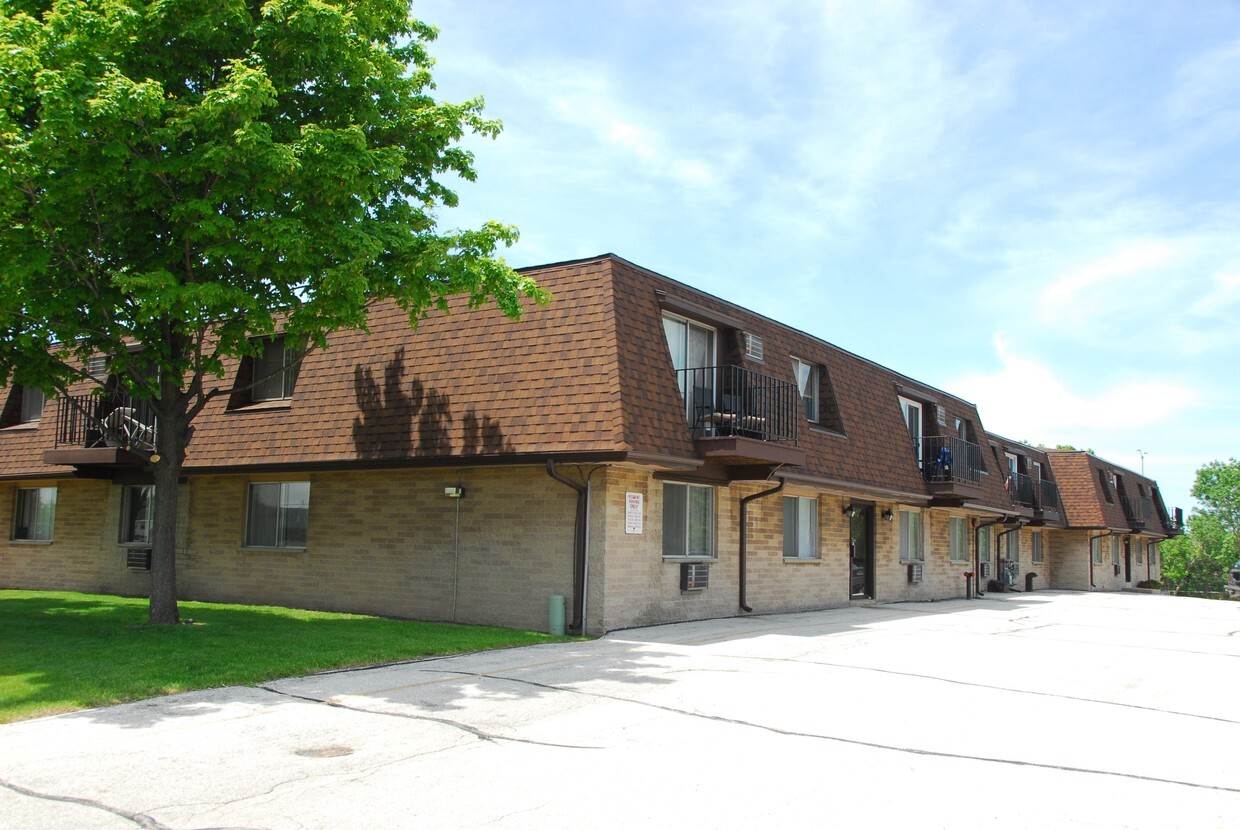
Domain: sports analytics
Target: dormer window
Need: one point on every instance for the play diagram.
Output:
(911, 410)
(33, 400)
(807, 385)
(275, 371)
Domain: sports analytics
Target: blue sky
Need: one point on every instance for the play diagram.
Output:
(1035, 206)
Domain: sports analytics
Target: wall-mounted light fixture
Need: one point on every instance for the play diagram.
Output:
(850, 510)
(888, 516)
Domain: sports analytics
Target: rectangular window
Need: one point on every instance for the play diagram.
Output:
(692, 349)
(1140, 552)
(983, 544)
(807, 384)
(910, 537)
(35, 514)
(688, 520)
(1095, 551)
(958, 533)
(32, 404)
(911, 410)
(137, 512)
(1011, 546)
(1115, 543)
(1102, 482)
(274, 371)
(1154, 553)
(278, 514)
(1036, 537)
(800, 527)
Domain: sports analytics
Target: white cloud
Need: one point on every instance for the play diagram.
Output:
(1027, 399)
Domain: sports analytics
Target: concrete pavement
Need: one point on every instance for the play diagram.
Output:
(1022, 710)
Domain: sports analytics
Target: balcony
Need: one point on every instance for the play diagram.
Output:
(951, 466)
(1137, 511)
(1048, 499)
(741, 419)
(102, 431)
(1037, 495)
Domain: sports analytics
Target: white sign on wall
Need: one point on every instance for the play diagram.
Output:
(633, 512)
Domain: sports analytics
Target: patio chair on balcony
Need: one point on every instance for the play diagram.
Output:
(122, 428)
(939, 467)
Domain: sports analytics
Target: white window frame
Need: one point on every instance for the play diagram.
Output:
(30, 412)
(801, 539)
(1139, 552)
(129, 521)
(678, 542)
(907, 407)
(984, 537)
(287, 496)
(1037, 554)
(912, 536)
(270, 383)
(40, 505)
(1115, 550)
(1153, 551)
(957, 539)
(806, 375)
(1095, 550)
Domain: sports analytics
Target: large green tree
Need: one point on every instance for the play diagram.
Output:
(1200, 560)
(189, 175)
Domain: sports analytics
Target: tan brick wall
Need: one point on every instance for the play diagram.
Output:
(387, 543)
(378, 542)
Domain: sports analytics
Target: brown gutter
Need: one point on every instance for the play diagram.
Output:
(581, 532)
(744, 548)
(1091, 554)
(977, 556)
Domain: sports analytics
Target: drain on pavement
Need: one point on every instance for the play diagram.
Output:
(324, 751)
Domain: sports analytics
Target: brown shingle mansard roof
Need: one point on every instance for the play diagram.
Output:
(1081, 475)
(587, 377)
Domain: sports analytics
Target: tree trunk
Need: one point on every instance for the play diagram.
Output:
(170, 446)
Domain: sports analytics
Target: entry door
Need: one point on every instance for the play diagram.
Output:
(861, 553)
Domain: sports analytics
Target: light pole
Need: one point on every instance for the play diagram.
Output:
(1142, 452)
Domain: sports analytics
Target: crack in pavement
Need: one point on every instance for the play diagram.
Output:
(140, 819)
(464, 727)
(855, 742)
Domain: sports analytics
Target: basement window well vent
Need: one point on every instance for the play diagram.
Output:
(914, 573)
(753, 346)
(138, 559)
(694, 576)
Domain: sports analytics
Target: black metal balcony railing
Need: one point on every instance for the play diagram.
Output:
(734, 401)
(1136, 509)
(91, 421)
(1048, 495)
(1023, 491)
(948, 459)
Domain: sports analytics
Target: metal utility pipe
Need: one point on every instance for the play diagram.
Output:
(580, 534)
(1091, 554)
(977, 555)
(744, 547)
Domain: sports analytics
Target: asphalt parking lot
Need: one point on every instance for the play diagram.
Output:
(1038, 710)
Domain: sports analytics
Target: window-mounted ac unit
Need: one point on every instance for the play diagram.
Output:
(753, 346)
(138, 559)
(983, 570)
(694, 576)
(914, 573)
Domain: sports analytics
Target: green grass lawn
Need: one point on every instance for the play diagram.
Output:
(61, 651)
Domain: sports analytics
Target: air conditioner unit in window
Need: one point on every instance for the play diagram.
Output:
(983, 570)
(914, 573)
(138, 559)
(694, 576)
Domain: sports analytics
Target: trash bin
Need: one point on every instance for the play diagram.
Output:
(555, 614)
(1029, 580)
